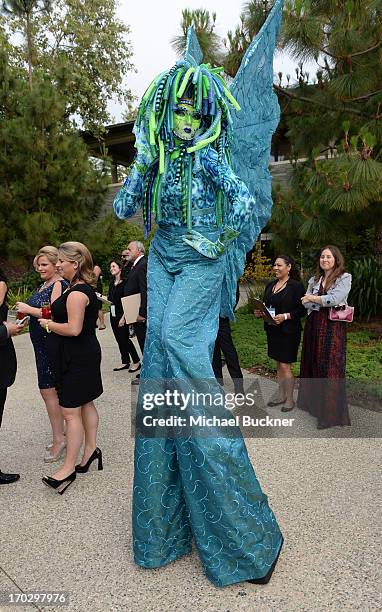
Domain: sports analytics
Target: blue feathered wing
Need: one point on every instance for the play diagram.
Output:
(253, 127)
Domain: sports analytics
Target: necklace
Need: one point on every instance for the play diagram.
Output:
(274, 290)
(49, 283)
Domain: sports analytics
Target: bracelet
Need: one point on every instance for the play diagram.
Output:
(285, 316)
(49, 331)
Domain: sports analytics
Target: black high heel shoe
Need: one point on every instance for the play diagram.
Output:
(272, 404)
(59, 484)
(265, 579)
(97, 454)
(288, 408)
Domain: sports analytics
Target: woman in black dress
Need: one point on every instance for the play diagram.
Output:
(283, 298)
(76, 354)
(120, 329)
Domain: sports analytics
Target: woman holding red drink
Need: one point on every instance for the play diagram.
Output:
(38, 306)
(76, 353)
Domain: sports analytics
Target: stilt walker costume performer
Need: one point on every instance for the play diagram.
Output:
(202, 171)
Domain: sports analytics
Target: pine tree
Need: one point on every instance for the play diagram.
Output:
(49, 190)
(26, 11)
(204, 25)
(336, 119)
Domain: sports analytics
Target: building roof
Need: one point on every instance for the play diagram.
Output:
(118, 141)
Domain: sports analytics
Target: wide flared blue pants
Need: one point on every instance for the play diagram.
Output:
(194, 487)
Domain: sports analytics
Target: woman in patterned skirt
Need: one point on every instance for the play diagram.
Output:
(323, 359)
(52, 287)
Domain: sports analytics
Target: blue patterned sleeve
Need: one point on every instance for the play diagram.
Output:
(242, 205)
(241, 213)
(130, 196)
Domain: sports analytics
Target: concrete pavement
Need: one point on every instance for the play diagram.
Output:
(325, 492)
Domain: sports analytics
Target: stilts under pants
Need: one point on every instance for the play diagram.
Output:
(194, 487)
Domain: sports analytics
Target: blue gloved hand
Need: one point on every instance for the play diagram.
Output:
(209, 249)
(142, 162)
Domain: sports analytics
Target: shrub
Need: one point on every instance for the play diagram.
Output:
(259, 267)
(19, 293)
(366, 292)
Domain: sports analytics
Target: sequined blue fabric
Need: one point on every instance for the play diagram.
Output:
(197, 487)
(207, 177)
(253, 127)
(38, 336)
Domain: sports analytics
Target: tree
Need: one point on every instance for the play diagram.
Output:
(204, 26)
(254, 14)
(334, 119)
(81, 47)
(337, 116)
(25, 11)
(49, 190)
(252, 18)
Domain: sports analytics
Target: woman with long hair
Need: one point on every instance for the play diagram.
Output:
(282, 297)
(77, 357)
(323, 358)
(52, 287)
(129, 356)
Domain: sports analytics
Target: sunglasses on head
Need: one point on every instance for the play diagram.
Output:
(182, 112)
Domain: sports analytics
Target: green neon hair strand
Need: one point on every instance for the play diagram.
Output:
(152, 128)
(184, 83)
(203, 143)
(161, 156)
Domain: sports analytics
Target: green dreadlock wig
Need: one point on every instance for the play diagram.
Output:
(204, 88)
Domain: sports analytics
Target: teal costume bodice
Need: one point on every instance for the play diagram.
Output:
(207, 178)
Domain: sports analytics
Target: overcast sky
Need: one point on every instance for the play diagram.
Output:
(154, 22)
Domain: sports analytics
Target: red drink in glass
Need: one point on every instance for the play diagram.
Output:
(20, 315)
(46, 312)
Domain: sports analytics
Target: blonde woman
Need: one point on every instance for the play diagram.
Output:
(52, 287)
(77, 357)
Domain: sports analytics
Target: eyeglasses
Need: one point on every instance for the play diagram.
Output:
(123, 256)
(182, 112)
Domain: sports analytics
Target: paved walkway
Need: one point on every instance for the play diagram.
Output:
(324, 492)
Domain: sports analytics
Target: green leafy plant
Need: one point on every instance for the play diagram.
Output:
(366, 292)
(18, 294)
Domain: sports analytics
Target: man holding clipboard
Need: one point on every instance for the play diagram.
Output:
(135, 308)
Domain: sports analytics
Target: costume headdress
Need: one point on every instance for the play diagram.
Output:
(187, 81)
(219, 106)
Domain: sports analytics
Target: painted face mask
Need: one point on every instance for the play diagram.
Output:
(187, 121)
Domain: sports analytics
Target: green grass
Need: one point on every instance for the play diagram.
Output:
(364, 351)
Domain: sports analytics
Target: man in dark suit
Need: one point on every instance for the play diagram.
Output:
(137, 283)
(8, 367)
(126, 265)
